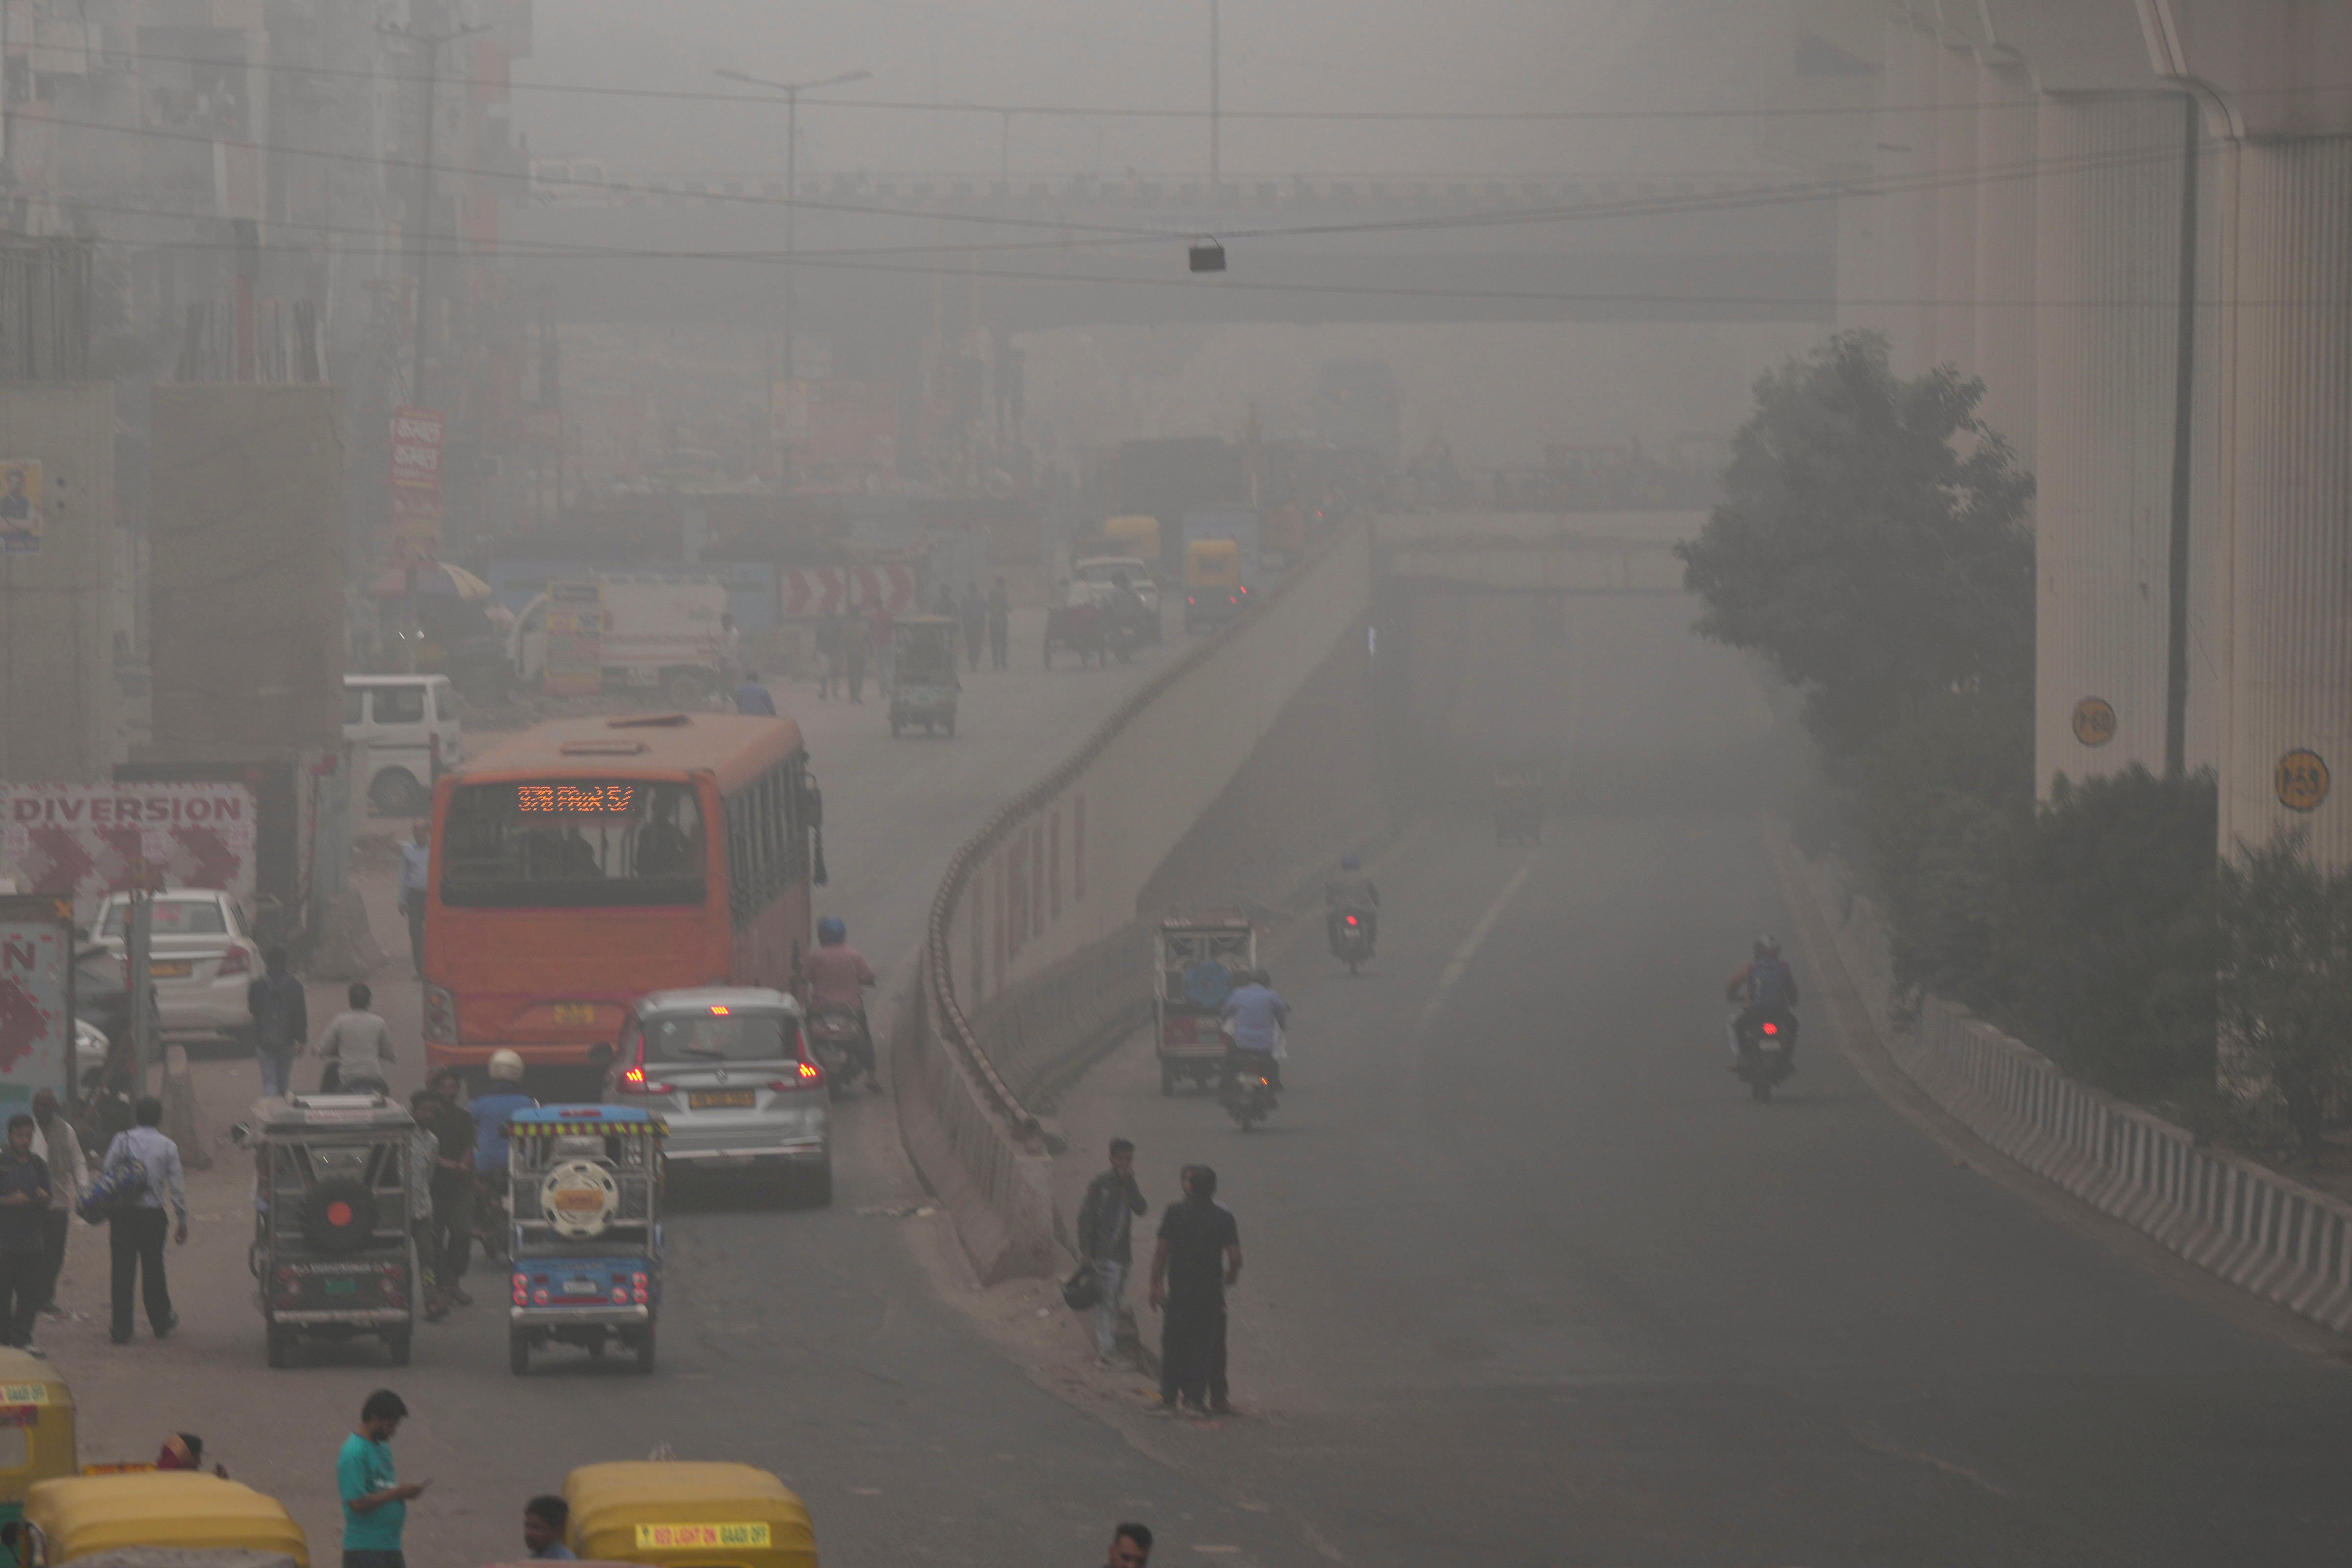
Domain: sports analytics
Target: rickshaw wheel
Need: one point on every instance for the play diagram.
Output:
(281, 1345)
(596, 1348)
(397, 1343)
(645, 1349)
(518, 1351)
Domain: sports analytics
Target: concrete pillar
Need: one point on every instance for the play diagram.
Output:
(2004, 255)
(1920, 318)
(2106, 320)
(1897, 208)
(2287, 363)
(1956, 209)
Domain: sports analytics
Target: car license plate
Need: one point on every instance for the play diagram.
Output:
(712, 1100)
(576, 1013)
(583, 1286)
(169, 969)
(343, 1287)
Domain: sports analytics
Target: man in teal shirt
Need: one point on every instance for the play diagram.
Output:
(375, 1505)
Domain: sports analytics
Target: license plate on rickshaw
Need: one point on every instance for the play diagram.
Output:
(347, 1286)
(720, 1099)
(582, 1286)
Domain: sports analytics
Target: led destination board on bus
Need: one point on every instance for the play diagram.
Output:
(576, 799)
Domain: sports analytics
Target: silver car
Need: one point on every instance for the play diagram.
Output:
(727, 1067)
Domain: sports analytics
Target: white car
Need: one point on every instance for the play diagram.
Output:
(201, 958)
(409, 723)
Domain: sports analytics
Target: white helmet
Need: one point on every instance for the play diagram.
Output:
(506, 1067)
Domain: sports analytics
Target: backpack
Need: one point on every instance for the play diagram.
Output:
(117, 1190)
(1768, 984)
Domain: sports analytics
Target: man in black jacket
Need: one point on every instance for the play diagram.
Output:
(1106, 1221)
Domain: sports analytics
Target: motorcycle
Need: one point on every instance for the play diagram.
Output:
(492, 1228)
(1766, 1047)
(838, 1039)
(1249, 1093)
(1123, 636)
(1352, 940)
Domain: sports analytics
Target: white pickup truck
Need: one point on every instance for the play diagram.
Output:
(659, 635)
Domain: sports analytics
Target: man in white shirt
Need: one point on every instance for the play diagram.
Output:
(135, 1233)
(360, 1044)
(55, 1139)
(416, 873)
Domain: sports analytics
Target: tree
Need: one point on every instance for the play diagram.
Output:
(2286, 977)
(1871, 543)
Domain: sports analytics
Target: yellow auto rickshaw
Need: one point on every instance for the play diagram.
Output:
(680, 1514)
(117, 1517)
(37, 1428)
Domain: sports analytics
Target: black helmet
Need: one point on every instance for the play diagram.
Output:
(1767, 946)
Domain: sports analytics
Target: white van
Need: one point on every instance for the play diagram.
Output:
(409, 723)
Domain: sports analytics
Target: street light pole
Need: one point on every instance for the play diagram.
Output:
(791, 91)
(1216, 105)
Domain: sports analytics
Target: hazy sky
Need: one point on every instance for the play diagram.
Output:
(1425, 55)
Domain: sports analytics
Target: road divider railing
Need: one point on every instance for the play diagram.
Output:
(2226, 1214)
(1023, 958)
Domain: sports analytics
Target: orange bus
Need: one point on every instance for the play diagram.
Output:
(588, 861)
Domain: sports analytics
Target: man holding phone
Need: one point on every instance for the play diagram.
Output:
(375, 1504)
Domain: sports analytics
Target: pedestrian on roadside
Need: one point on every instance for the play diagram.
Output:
(135, 1233)
(24, 1198)
(357, 1046)
(375, 1502)
(415, 870)
(973, 614)
(59, 1142)
(1198, 1256)
(543, 1519)
(853, 633)
(753, 698)
(1106, 1221)
(1130, 1547)
(880, 628)
(281, 1013)
(1000, 626)
(451, 1235)
(1220, 1391)
(828, 653)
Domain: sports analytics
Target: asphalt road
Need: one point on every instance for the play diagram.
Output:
(813, 1342)
(1536, 1282)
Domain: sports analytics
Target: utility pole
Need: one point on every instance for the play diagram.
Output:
(1216, 106)
(420, 341)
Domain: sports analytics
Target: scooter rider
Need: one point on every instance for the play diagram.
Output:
(1254, 1015)
(1763, 987)
(838, 975)
(1352, 893)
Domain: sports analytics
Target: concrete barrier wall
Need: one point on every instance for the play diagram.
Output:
(2226, 1214)
(1032, 940)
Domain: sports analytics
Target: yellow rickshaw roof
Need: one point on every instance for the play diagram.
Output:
(23, 1367)
(84, 1514)
(609, 1501)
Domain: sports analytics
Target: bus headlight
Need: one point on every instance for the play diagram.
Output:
(440, 1016)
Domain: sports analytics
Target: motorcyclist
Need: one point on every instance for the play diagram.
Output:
(491, 1112)
(1254, 1015)
(1764, 986)
(838, 975)
(1124, 609)
(1352, 893)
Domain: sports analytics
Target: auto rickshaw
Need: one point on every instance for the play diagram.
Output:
(923, 684)
(682, 1514)
(584, 1189)
(336, 1185)
(37, 1428)
(1200, 959)
(110, 1522)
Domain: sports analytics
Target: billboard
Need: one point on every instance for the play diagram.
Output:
(35, 1010)
(416, 483)
(83, 841)
(821, 590)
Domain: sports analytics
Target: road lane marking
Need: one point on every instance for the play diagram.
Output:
(1469, 948)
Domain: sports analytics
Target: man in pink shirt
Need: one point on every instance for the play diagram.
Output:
(838, 975)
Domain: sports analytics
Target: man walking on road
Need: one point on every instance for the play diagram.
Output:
(1130, 1547)
(972, 614)
(375, 1503)
(452, 1233)
(135, 1234)
(60, 1146)
(415, 866)
(828, 653)
(1106, 1221)
(24, 1197)
(1000, 626)
(281, 1013)
(1199, 1254)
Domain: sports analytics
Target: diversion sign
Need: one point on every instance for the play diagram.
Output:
(36, 1014)
(84, 841)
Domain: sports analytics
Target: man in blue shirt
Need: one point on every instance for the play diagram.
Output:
(1254, 1014)
(415, 865)
(543, 1519)
(375, 1502)
(492, 1111)
(753, 698)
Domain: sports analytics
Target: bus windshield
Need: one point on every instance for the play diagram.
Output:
(572, 843)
